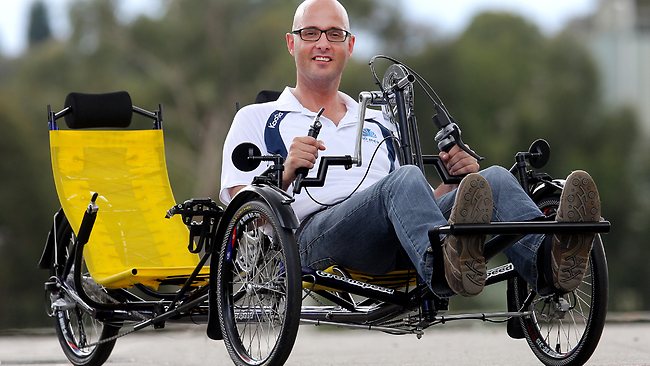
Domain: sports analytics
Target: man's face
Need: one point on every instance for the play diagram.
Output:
(320, 62)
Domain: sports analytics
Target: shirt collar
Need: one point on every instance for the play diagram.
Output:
(288, 102)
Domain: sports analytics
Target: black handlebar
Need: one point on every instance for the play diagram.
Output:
(325, 162)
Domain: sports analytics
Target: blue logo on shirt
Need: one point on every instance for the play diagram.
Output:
(369, 135)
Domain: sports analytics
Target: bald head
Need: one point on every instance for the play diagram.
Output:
(308, 6)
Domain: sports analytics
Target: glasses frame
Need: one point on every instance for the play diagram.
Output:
(299, 33)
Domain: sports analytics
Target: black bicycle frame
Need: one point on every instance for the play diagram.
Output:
(187, 302)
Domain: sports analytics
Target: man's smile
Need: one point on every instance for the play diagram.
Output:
(322, 58)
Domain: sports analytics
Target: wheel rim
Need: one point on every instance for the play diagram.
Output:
(563, 320)
(77, 327)
(258, 286)
(565, 329)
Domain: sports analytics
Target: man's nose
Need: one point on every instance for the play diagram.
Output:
(323, 42)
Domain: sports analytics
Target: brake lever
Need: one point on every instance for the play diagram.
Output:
(471, 152)
(449, 134)
(459, 142)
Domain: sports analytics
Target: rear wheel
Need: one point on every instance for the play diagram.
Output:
(565, 329)
(258, 287)
(77, 330)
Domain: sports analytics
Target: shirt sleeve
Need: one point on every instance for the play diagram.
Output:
(247, 126)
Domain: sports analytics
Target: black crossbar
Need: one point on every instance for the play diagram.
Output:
(523, 228)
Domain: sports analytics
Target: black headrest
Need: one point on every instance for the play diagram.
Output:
(99, 110)
(267, 96)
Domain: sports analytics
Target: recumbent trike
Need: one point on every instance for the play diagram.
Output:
(118, 266)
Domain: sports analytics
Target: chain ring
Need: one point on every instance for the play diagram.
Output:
(394, 73)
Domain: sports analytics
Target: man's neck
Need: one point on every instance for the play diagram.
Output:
(331, 100)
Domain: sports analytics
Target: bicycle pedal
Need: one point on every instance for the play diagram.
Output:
(51, 286)
(60, 305)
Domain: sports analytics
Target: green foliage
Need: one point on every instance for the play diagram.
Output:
(39, 25)
(504, 82)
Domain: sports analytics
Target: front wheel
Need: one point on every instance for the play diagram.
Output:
(565, 329)
(85, 340)
(258, 287)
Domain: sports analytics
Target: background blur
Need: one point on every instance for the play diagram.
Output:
(580, 85)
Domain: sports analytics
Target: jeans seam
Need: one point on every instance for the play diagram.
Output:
(408, 234)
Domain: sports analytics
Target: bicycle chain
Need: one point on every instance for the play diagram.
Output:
(314, 297)
(119, 335)
(109, 339)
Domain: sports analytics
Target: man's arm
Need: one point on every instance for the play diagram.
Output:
(234, 190)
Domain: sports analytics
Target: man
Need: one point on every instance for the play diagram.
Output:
(394, 208)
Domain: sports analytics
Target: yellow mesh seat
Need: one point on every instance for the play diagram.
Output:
(131, 241)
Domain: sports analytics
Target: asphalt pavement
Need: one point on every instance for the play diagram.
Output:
(467, 343)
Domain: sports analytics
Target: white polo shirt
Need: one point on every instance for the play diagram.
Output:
(272, 126)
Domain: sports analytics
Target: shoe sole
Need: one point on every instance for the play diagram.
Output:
(579, 202)
(465, 268)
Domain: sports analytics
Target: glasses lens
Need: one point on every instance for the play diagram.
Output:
(336, 35)
(310, 34)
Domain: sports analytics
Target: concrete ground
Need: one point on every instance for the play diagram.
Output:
(466, 343)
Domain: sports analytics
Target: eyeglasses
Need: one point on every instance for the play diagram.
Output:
(313, 34)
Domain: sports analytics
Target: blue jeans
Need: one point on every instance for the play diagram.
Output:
(371, 231)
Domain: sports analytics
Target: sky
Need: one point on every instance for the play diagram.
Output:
(450, 16)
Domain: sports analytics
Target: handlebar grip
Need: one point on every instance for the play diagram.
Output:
(447, 131)
(314, 130)
(301, 173)
(447, 137)
(88, 221)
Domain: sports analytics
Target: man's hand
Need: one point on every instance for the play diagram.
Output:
(458, 162)
(303, 153)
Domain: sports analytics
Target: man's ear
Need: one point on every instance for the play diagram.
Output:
(290, 42)
(351, 44)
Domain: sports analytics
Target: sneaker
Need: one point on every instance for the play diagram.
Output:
(465, 268)
(579, 202)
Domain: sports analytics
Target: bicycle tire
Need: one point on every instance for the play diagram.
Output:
(75, 327)
(258, 287)
(552, 340)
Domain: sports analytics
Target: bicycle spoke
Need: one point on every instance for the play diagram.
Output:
(258, 288)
